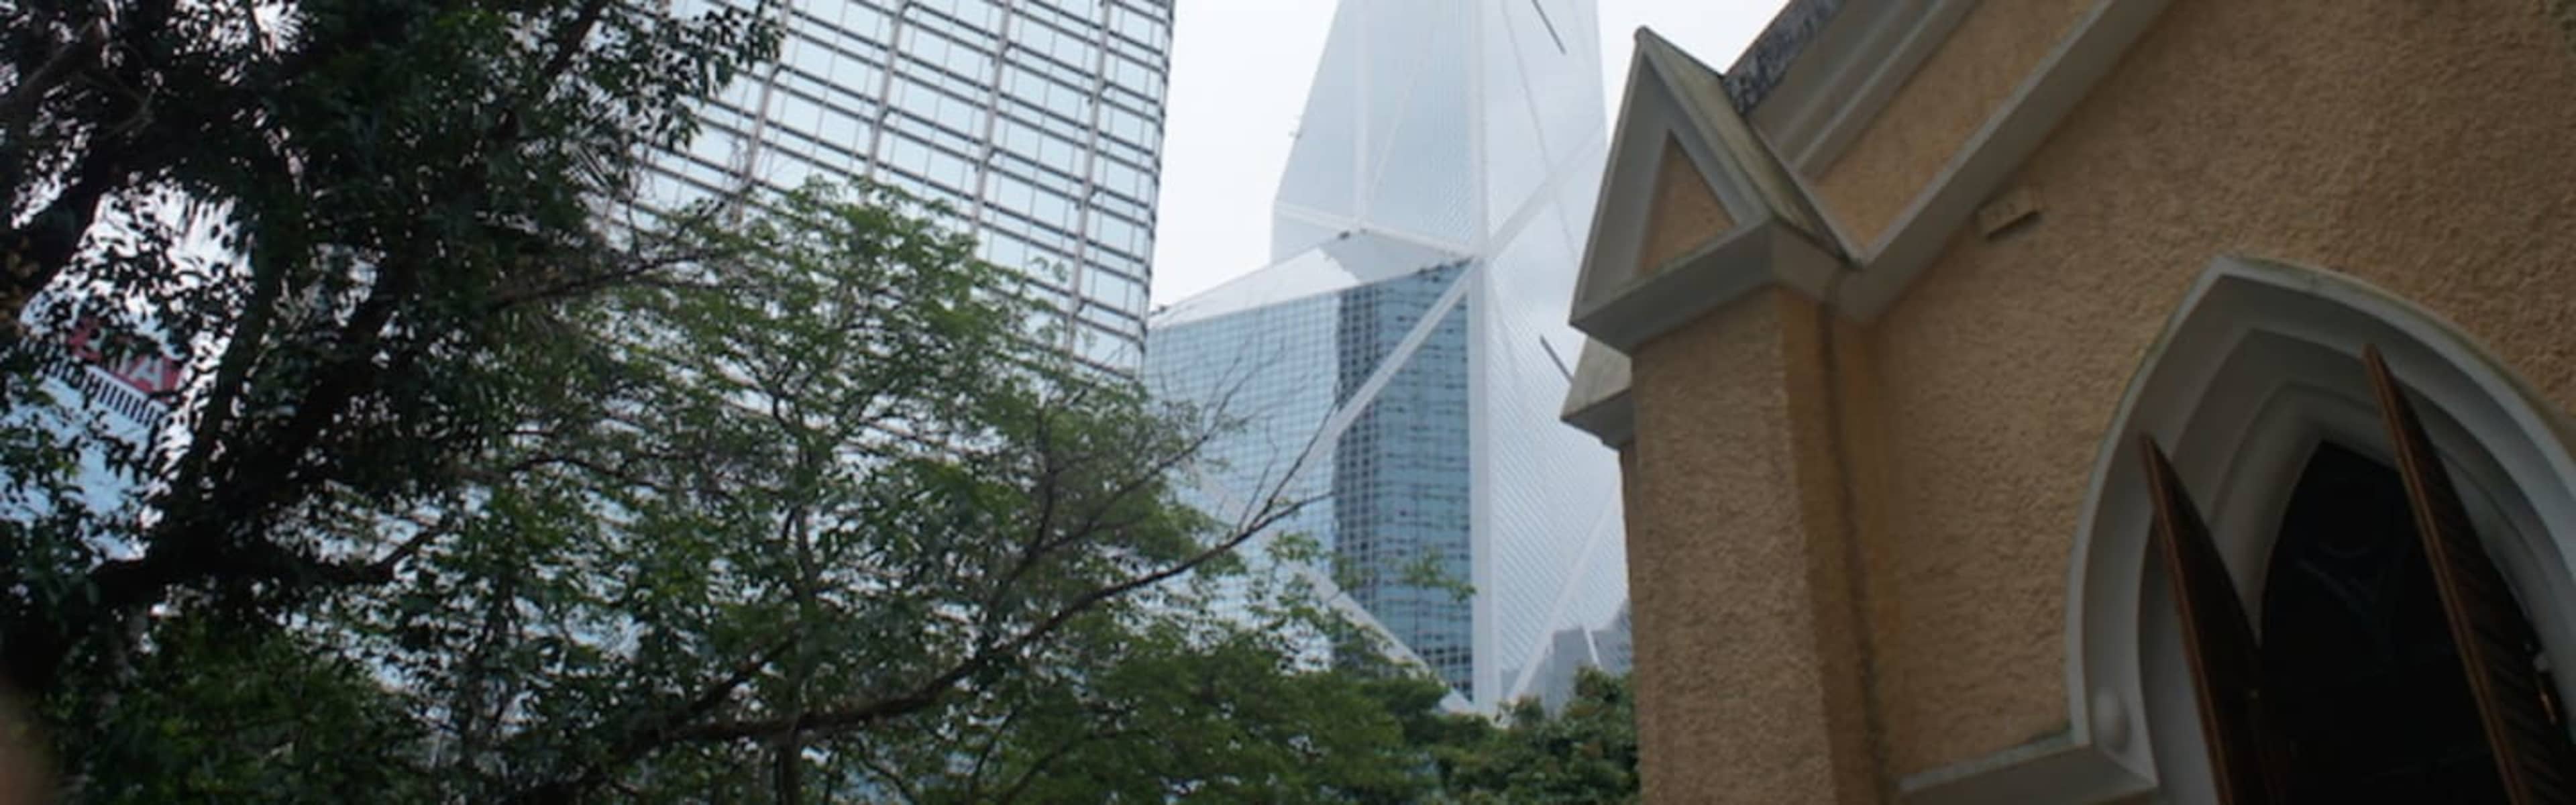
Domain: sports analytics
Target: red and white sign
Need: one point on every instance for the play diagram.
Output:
(150, 373)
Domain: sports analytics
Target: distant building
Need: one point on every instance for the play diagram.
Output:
(107, 396)
(1569, 651)
(1039, 121)
(2110, 401)
(1400, 356)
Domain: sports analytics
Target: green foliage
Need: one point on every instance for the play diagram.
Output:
(478, 493)
(228, 712)
(1584, 753)
(356, 221)
(767, 523)
(1207, 718)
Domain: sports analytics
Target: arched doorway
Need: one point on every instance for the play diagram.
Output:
(2256, 374)
(2359, 661)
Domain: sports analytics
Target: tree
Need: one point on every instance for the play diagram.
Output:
(1236, 705)
(476, 492)
(1172, 715)
(754, 509)
(1584, 753)
(847, 488)
(355, 221)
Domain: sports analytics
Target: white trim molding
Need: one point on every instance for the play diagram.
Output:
(1843, 79)
(1777, 235)
(1841, 83)
(1672, 98)
(2260, 364)
(1597, 401)
(1999, 148)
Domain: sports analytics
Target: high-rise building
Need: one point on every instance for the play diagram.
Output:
(1610, 648)
(1403, 355)
(1039, 122)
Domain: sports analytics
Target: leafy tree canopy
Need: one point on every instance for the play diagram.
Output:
(480, 485)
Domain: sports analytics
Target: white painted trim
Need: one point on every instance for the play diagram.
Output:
(1612, 419)
(1672, 98)
(1997, 150)
(2256, 366)
(1649, 116)
(1844, 78)
(1742, 261)
(2055, 769)
(1654, 108)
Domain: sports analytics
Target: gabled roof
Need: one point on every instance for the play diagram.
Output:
(1766, 62)
(1710, 111)
(1767, 232)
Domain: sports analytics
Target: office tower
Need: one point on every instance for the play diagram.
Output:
(1402, 355)
(1038, 121)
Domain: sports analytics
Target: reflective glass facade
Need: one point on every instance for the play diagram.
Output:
(1039, 122)
(1437, 195)
(1400, 472)
(1389, 494)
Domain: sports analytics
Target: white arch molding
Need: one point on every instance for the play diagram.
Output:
(2259, 364)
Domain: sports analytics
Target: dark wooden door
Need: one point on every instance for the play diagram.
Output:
(2245, 753)
(2532, 752)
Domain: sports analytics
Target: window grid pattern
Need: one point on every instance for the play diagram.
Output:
(1400, 473)
(1038, 123)
(1470, 128)
(1272, 370)
(1392, 495)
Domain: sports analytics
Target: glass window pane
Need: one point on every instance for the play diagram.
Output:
(864, 23)
(1085, 9)
(1133, 75)
(795, 112)
(843, 131)
(785, 170)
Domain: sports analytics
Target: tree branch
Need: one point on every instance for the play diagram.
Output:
(18, 108)
(1029, 776)
(644, 741)
(834, 721)
(564, 43)
(901, 786)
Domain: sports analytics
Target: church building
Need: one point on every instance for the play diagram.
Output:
(2073, 401)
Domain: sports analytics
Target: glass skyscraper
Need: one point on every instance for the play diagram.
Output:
(1039, 122)
(1401, 357)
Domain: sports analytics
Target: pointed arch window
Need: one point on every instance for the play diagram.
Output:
(2267, 699)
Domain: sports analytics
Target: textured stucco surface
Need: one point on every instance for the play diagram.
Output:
(1935, 112)
(2423, 147)
(1812, 343)
(1722, 571)
(1685, 212)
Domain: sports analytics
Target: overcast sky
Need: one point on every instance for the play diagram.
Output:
(1239, 75)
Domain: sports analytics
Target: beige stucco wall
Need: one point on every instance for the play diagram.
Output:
(2427, 147)
(1725, 568)
(1823, 363)
(1935, 112)
(1685, 213)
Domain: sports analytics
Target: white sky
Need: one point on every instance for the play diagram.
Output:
(1239, 75)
